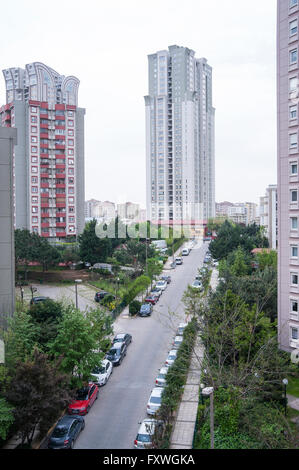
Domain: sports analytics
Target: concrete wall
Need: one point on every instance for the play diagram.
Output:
(7, 260)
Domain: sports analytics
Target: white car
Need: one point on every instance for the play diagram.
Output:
(177, 342)
(196, 285)
(154, 401)
(161, 379)
(145, 432)
(180, 330)
(185, 252)
(101, 373)
(162, 285)
(171, 357)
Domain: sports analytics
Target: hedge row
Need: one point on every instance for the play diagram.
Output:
(138, 286)
(174, 388)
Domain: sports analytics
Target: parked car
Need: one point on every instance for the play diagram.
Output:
(116, 353)
(100, 295)
(179, 260)
(145, 432)
(123, 338)
(171, 357)
(180, 330)
(156, 291)
(161, 379)
(146, 310)
(152, 299)
(166, 278)
(66, 432)
(154, 401)
(177, 342)
(85, 398)
(185, 252)
(162, 285)
(37, 300)
(100, 374)
(196, 285)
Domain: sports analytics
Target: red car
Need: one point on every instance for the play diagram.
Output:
(152, 299)
(84, 400)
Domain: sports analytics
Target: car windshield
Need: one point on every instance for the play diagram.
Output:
(143, 438)
(99, 370)
(144, 307)
(113, 352)
(161, 376)
(155, 400)
(60, 431)
(172, 356)
(118, 339)
(82, 394)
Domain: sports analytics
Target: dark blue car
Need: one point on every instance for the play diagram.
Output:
(66, 432)
(145, 310)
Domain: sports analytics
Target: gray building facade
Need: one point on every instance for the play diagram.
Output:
(7, 256)
(180, 140)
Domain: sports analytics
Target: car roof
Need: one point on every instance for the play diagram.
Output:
(117, 345)
(120, 335)
(66, 420)
(178, 338)
(157, 392)
(173, 352)
(143, 427)
(163, 370)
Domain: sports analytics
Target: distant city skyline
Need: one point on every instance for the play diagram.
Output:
(121, 35)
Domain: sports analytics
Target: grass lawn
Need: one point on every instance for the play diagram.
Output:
(293, 387)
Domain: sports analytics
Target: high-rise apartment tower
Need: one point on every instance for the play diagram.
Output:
(180, 149)
(49, 156)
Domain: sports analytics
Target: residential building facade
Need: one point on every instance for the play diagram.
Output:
(7, 254)
(180, 140)
(288, 177)
(268, 215)
(49, 156)
(239, 213)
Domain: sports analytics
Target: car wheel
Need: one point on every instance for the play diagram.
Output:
(97, 395)
(88, 409)
(72, 445)
(83, 426)
(106, 380)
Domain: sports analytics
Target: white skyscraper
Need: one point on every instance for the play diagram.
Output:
(180, 149)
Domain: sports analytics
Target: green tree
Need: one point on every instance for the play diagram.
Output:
(6, 417)
(93, 249)
(39, 394)
(153, 268)
(78, 342)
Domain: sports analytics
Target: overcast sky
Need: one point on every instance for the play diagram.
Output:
(105, 44)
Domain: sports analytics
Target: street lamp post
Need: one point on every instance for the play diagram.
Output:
(77, 281)
(209, 391)
(285, 383)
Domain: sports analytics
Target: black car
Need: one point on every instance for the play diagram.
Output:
(116, 353)
(100, 295)
(37, 300)
(145, 310)
(123, 338)
(66, 432)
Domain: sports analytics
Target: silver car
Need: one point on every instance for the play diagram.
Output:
(101, 373)
(154, 401)
(180, 330)
(171, 357)
(177, 342)
(161, 379)
(145, 432)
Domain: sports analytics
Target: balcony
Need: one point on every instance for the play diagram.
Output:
(45, 215)
(44, 205)
(60, 146)
(60, 225)
(44, 126)
(60, 175)
(45, 224)
(61, 234)
(60, 214)
(44, 135)
(60, 166)
(45, 195)
(44, 175)
(45, 234)
(43, 115)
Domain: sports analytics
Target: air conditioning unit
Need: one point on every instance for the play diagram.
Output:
(294, 344)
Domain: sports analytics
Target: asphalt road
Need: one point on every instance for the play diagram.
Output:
(112, 422)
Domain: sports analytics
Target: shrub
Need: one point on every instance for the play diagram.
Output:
(134, 307)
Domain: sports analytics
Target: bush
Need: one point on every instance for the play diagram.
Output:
(139, 285)
(134, 307)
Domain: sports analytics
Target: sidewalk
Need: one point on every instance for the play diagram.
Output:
(183, 433)
(293, 402)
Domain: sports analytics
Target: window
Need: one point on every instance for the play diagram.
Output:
(71, 161)
(33, 129)
(34, 209)
(34, 220)
(33, 119)
(293, 27)
(34, 189)
(34, 149)
(71, 151)
(293, 3)
(294, 251)
(294, 306)
(294, 223)
(293, 84)
(71, 209)
(294, 196)
(34, 179)
(34, 199)
(71, 123)
(71, 171)
(33, 109)
(293, 56)
(34, 169)
(293, 141)
(34, 139)
(70, 132)
(294, 333)
(294, 279)
(70, 113)
(71, 190)
(34, 159)
(71, 142)
(294, 169)
(293, 112)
